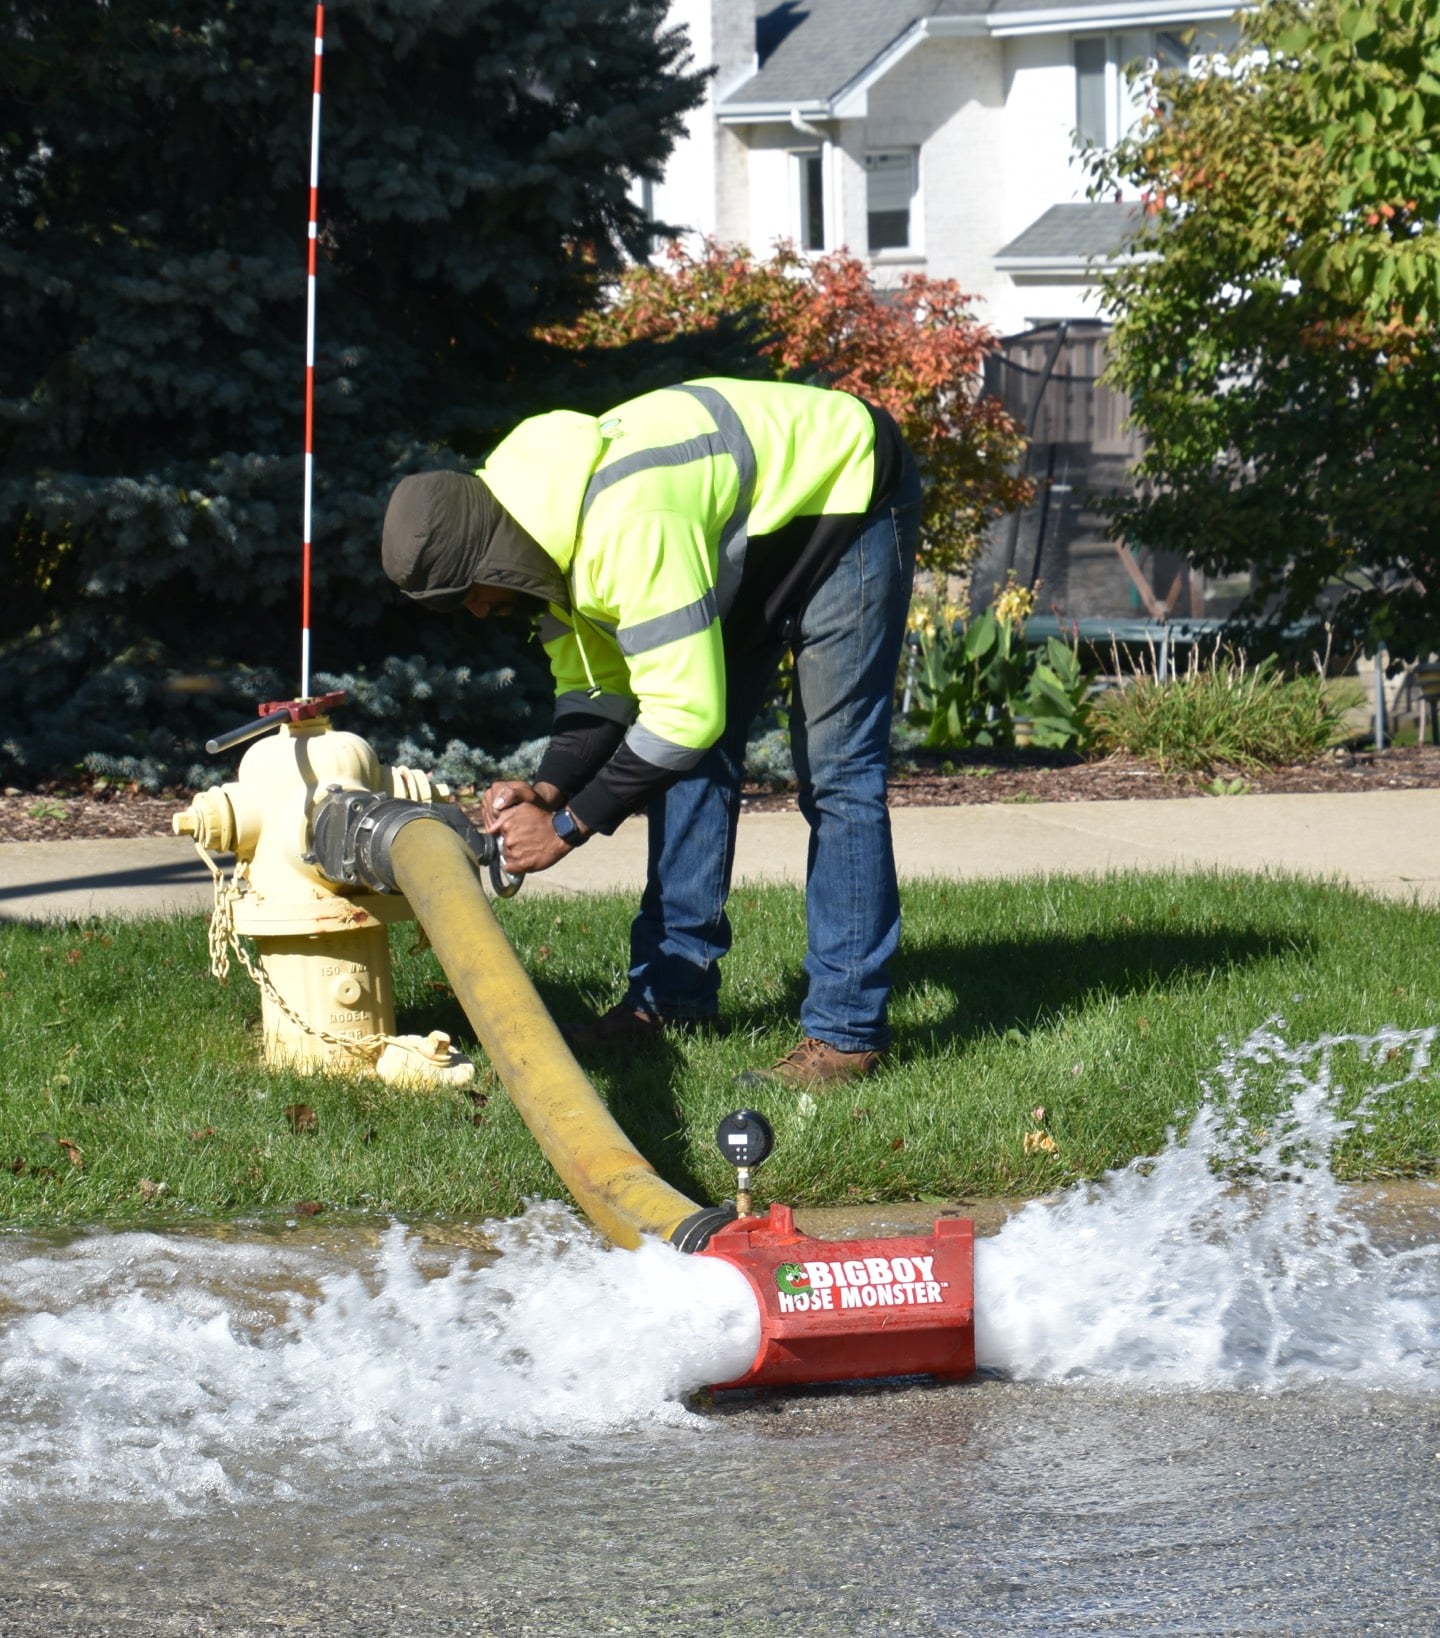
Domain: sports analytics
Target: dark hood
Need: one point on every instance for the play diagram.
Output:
(445, 532)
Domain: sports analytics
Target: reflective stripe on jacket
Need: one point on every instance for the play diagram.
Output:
(664, 513)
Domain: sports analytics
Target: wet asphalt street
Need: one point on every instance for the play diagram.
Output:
(988, 1507)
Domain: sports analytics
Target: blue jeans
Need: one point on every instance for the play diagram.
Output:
(846, 647)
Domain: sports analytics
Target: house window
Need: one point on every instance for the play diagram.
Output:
(1092, 65)
(889, 195)
(1105, 106)
(810, 170)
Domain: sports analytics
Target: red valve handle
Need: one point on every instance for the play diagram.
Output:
(301, 710)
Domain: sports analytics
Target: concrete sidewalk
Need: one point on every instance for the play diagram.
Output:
(1386, 842)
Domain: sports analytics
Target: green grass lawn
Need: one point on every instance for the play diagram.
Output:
(131, 1086)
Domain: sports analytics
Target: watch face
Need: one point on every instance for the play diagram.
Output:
(565, 827)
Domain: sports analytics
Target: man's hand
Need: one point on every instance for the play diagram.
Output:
(529, 837)
(506, 794)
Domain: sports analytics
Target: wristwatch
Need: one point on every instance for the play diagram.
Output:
(568, 830)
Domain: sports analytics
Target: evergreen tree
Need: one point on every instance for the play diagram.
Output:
(154, 170)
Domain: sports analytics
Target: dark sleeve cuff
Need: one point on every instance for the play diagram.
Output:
(578, 751)
(623, 786)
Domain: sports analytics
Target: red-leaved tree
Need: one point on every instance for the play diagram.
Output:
(916, 350)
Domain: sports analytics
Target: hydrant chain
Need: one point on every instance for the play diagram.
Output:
(223, 939)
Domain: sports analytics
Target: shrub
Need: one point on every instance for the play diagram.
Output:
(1220, 711)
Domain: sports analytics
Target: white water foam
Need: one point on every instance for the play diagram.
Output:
(1232, 1259)
(185, 1371)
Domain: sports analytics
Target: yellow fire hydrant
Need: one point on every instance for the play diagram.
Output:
(324, 974)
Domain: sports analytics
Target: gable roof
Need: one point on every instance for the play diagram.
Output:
(820, 57)
(810, 50)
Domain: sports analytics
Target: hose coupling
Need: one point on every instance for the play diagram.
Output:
(695, 1232)
(354, 830)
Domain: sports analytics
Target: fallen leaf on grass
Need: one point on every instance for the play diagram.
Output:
(150, 1190)
(72, 1152)
(1040, 1143)
(302, 1117)
(201, 1133)
(309, 1208)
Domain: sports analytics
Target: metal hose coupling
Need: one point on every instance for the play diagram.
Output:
(696, 1232)
(353, 831)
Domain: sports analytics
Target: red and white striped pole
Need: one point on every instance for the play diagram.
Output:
(310, 357)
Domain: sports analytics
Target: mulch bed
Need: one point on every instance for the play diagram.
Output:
(56, 812)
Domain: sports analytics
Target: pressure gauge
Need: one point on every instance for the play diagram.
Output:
(745, 1138)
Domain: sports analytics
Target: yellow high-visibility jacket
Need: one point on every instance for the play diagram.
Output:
(681, 516)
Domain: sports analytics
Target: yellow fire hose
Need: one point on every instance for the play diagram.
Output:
(613, 1184)
(828, 1310)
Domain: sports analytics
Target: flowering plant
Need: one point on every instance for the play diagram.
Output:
(971, 681)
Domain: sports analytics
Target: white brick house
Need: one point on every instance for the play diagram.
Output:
(934, 135)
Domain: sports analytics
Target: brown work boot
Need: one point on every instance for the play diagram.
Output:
(625, 1026)
(813, 1064)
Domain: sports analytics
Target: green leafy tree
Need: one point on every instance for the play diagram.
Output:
(1277, 332)
(917, 351)
(154, 168)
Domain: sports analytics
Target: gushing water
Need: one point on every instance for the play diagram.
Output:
(161, 1368)
(185, 1370)
(1233, 1259)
